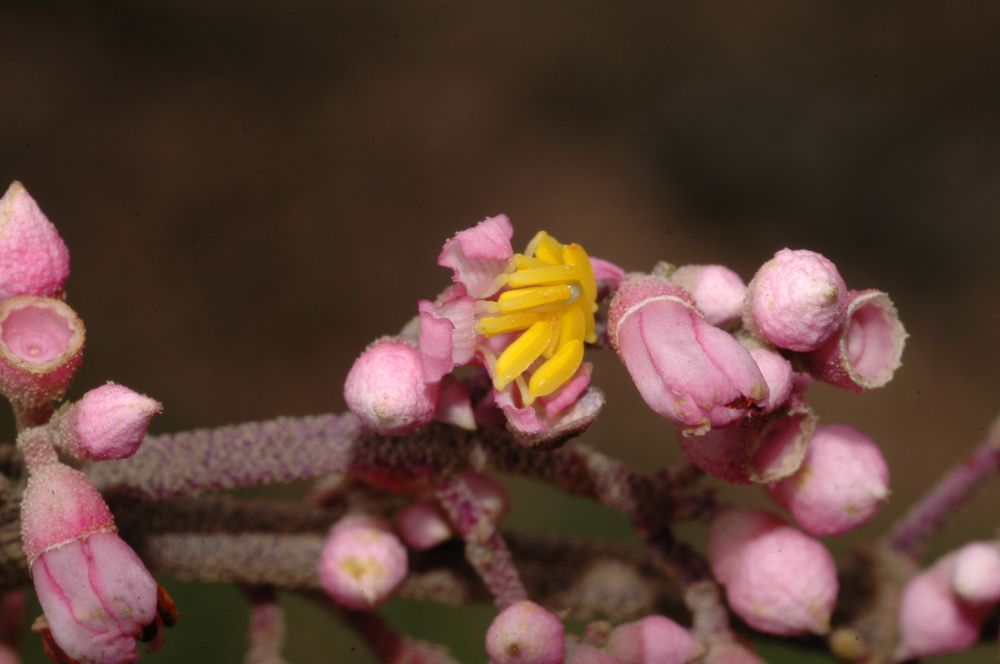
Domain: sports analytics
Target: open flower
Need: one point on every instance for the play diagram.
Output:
(526, 317)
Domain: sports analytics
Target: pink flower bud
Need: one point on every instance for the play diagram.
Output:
(932, 619)
(866, 351)
(8, 655)
(525, 633)
(796, 300)
(758, 450)
(777, 580)
(33, 258)
(842, 483)
(109, 422)
(422, 526)
(97, 595)
(652, 640)
(479, 255)
(717, 291)
(607, 273)
(777, 372)
(976, 574)
(41, 347)
(361, 564)
(585, 654)
(686, 370)
(386, 388)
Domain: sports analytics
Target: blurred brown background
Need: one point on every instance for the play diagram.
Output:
(252, 191)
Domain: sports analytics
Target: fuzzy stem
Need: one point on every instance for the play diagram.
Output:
(266, 628)
(912, 532)
(230, 457)
(484, 546)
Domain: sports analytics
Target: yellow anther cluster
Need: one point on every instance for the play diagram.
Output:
(550, 296)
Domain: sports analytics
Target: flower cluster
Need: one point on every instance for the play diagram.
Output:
(96, 594)
(728, 363)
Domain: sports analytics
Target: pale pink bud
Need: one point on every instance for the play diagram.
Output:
(586, 654)
(96, 594)
(757, 450)
(386, 388)
(361, 564)
(866, 351)
(717, 291)
(33, 258)
(842, 483)
(8, 655)
(796, 300)
(525, 633)
(422, 526)
(41, 347)
(932, 619)
(97, 597)
(777, 580)
(479, 255)
(109, 422)
(687, 370)
(652, 640)
(976, 575)
(777, 372)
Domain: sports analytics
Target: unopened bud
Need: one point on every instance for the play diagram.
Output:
(933, 620)
(843, 482)
(778, 580)
(796, 300)
(33, 258)
(687, 370)
(422, 526)
(109, 422)
(525, 633)
(717, 291)
(976, 576)
(652, 640)
(386, 388)
(361, 564)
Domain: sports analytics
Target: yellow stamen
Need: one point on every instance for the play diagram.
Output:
(522, 262)
(554, 373)
(538, 298)
(545, 247)
(578, 258)
(544, 276)
(572, 325)
(494, 325)
(518, 356)
(554, 342)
